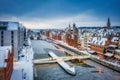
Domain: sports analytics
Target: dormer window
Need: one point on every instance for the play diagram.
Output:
(115, 40)
(101, 43)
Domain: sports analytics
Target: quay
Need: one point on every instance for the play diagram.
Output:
(108, 64)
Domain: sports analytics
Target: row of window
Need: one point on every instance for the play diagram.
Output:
(98, 42)
(97, 46)
(12, 38)
(2, 38)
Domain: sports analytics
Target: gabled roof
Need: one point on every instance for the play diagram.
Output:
(99, 41)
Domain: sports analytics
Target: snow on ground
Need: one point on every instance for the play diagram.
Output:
(23, 69)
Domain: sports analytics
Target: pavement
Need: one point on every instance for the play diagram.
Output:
(23, 68)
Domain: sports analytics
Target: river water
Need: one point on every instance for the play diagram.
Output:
(88, 70)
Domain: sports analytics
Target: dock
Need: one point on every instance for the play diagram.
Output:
(65, 58)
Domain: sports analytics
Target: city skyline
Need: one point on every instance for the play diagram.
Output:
(60, 13)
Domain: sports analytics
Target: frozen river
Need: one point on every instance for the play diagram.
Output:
(85, 71)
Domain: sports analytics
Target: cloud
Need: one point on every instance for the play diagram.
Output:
(83, 19)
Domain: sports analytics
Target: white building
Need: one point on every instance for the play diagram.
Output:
(12, 33)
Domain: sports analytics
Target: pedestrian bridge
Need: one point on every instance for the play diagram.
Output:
(65, 58)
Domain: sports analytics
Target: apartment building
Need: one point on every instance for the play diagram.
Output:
(12, 33)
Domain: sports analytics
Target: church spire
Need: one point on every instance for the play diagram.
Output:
(108, 23)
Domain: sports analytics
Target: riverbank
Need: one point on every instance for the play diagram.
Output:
(106, 63)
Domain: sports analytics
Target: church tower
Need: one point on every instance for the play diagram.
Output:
(108, 23)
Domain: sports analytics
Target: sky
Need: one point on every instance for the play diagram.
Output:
(45, 14)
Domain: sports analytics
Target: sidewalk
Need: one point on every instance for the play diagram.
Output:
(23, 69)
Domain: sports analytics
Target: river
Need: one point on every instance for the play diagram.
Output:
(88, 70)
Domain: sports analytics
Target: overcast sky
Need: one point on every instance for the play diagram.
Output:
(60, 13)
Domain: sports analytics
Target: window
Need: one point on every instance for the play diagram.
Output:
(2, 28)
(12, 38)
(93, 41)
(101, 43)
(2, 37)
(12, 34)
(115, 40)
(97, 42)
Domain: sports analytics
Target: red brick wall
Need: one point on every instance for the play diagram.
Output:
(9, 68)
(97, 48)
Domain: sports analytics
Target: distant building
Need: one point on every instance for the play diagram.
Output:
(117, 54)
(72, 36)
(85, 41)
(98, 45)
(6, 62)
(12, 33)
(119, 44)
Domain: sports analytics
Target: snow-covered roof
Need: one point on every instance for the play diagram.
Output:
(94, 40)
(102, 41)
(99, 41)
(108, 54)
(6, 48)
(4, 55)
(11, 25)
(117, 50)
(2, 63)
(72, 36)
(112, 45)
(14, 26)
(53, 32)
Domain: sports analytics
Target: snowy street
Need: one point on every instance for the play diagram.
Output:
(23, 69)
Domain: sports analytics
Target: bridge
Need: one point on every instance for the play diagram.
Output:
(65, 58)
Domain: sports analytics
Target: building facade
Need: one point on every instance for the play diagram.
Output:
(12, 33)
(72, 37)
(119, 44)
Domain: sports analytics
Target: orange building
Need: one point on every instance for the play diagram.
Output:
(6, 62)
(79, 44)
(119, 44)
(72, 37)
(98, 46)
(103, 46)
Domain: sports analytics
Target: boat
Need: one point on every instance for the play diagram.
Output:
(69, 69)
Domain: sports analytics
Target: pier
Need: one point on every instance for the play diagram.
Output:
(53, 60)
(65, 66)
